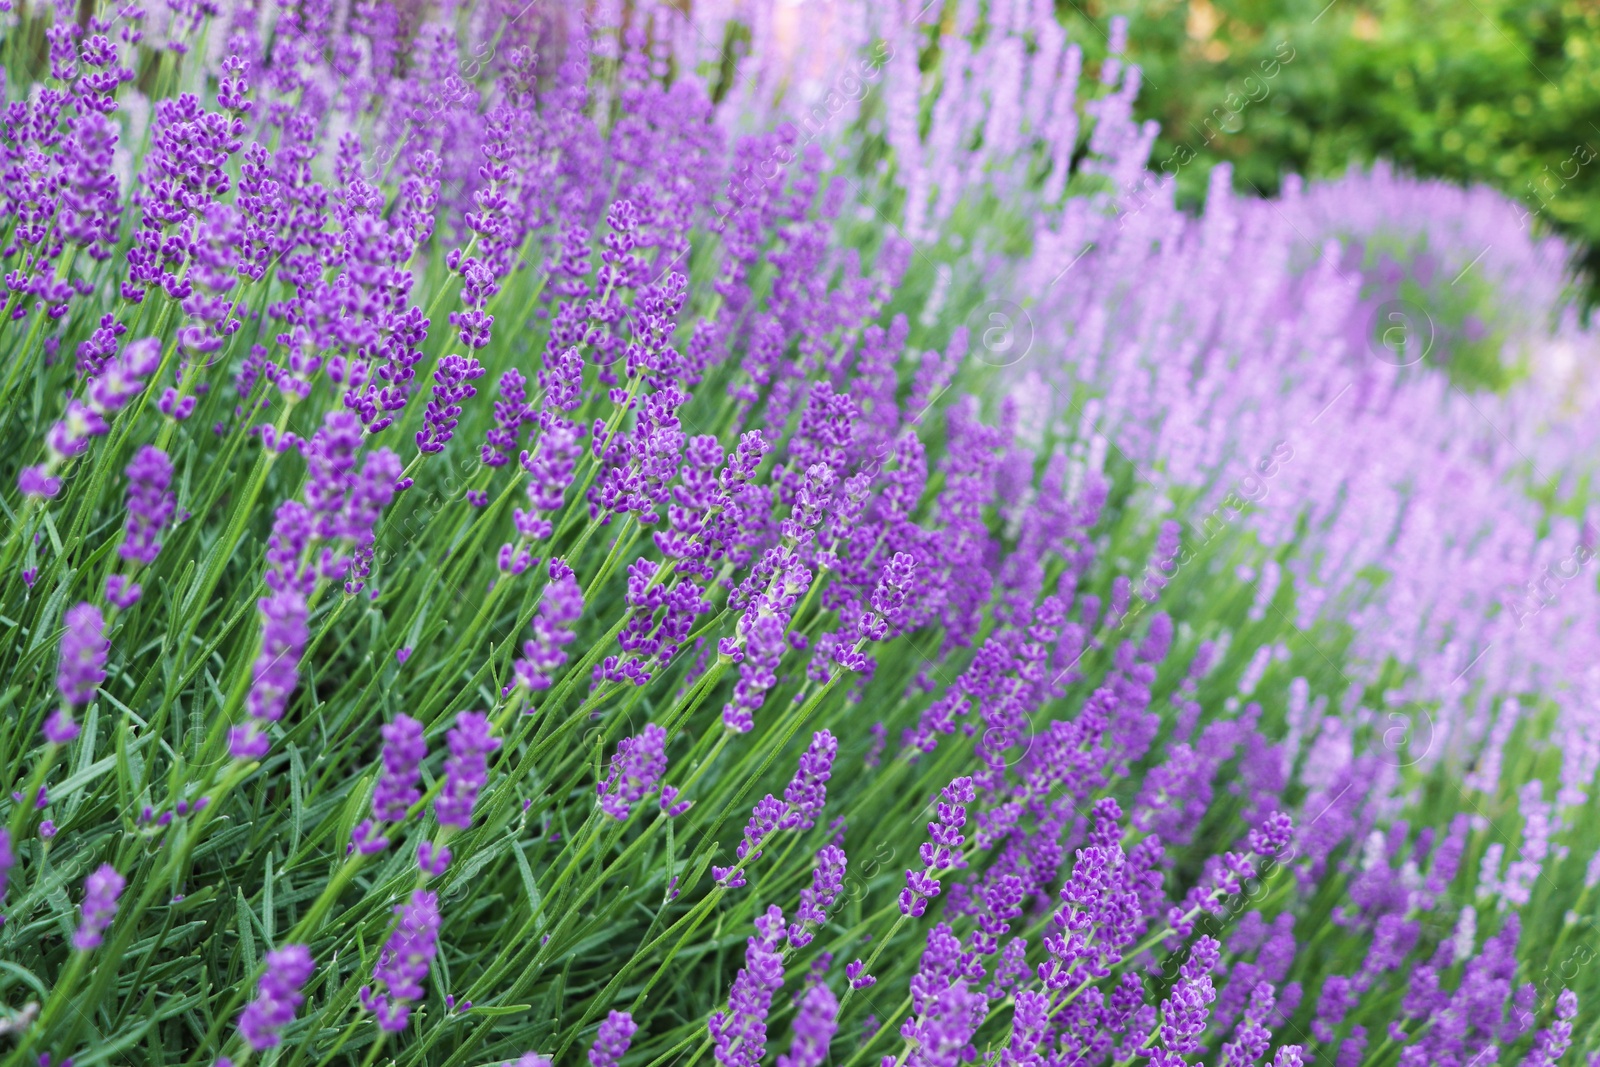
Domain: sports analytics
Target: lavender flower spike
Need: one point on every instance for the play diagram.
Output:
(739, 1033)
(403, 752)
(466, 770)
(100, 892)
(814, 1026)
(83, 654)
(941, 852)
(8, 859)
(561, 606)
(278, 996)
(827, 881)
(404, 962)
(150, 504)
(635, 771)
(612, 1042)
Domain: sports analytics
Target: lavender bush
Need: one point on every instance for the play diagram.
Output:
(554, 531)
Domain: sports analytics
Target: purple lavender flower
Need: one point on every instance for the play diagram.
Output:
(807, 791)
(815, 1023)
(764, 644)
(827, 881)
(612, 1041)
(100, 892)
(467, 769)
(1029, 1027)
(278, 996)
(559, 608)
(444, 410)
(942, 852)
(276, 671)
(739, 1032)
(404, 749)
(403, 963)
(59, 727)
(8, 860)
(1551, 1043)
(764, 820)
(855, 971)
(1183, 1013)
(432, 860)
(83, 654)
(1251, 1039)
(150, 504)
(636, 769)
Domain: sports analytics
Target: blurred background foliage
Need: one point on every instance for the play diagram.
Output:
(1503, 92)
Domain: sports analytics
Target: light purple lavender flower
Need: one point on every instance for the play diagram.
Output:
(1551, 1043)
(467, 769)
(8, 860)
(636, 769)
(612, 1041)
(855, 971)
(432, 859)
(278, 996)
(815, 1023)
(1251, 1039)
(403, 963)
(100, 892)
(764, 819)
(444, 410)
(276, 671)
(1184, 1011)
(807, 791)
(83, 654)
(559, 608)
(404, 749)
(150, 504)
(827, 881)
(942, 852)
(1029, 1026)
(739, 1032)
(396, 789)
(59, 727)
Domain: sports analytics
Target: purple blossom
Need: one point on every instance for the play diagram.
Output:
(855, 971)
(59, 727)
(941, 853)
(815, 1023)
(636, 769)
(739, 1032)
(467, 769)
(612, 1041)
(1184, 1011)
(444, 410)
(559, 608)
(827, 881)
(807, 791)
(100, 892)
(150, 504)
(1551, 1043)
(276, 671)
(403, 963)
(84, 648)
(278, 996)
(8, 860)
(404, 749)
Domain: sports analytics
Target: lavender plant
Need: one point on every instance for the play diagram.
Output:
(559, 530)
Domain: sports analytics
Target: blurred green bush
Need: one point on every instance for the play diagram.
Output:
(1505, 92)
